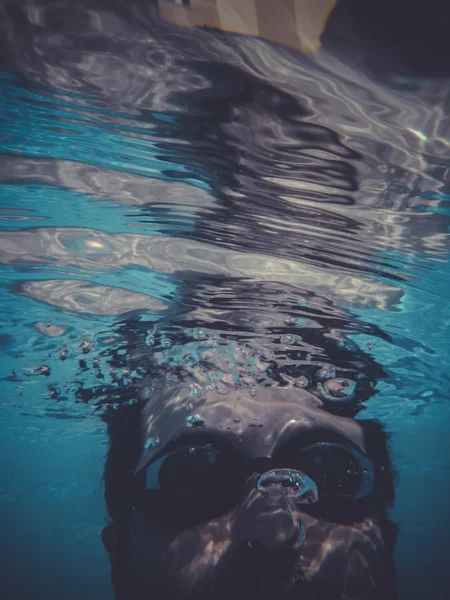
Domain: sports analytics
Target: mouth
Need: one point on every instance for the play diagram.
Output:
(289, 590)
(276, 586)
(293, 587)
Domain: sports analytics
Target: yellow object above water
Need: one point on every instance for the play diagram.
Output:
(294, 23)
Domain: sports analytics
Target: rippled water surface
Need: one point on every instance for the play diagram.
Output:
(177, 196)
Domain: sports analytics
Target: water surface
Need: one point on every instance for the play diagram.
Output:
(156, 183)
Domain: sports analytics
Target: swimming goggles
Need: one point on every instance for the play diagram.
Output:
(208, 479)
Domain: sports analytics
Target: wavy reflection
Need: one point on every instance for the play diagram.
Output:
(191, 222)
(84, 297)
(75, 249)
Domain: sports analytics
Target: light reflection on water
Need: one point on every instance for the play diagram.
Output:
(213, 182)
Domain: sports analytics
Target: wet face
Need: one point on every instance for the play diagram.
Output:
(243, 496)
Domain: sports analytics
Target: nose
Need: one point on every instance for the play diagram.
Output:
(275, 532)
(271, 524)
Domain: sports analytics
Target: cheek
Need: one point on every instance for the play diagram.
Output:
(170, 561)
(164, 563)
(194, 555)
(144, 567)
(343, 555)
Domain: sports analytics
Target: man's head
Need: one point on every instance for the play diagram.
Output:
(246, 493)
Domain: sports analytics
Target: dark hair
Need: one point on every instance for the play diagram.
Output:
(122, 458)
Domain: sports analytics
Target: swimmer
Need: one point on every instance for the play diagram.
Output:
(246, 493)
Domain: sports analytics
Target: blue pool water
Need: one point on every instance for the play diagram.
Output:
(122, 204)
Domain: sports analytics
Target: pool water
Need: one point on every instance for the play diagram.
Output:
(156, 182)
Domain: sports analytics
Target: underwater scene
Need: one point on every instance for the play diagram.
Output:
(224, 252)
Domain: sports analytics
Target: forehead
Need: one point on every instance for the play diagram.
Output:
(256, 424)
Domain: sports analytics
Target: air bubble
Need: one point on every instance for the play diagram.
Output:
(301, 382)
(196, 390)
(252, 391)
(289, 320)
(198, 334)
(289, 483)
(150, 339)
(326, 372)
(195, 420)
(287, 339)
(166, 342)
(86, 346)
(151, 442)
(338, 389)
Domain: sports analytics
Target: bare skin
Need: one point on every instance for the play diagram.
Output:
(265, 546)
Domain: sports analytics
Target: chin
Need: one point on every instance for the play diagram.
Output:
(336, 562)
